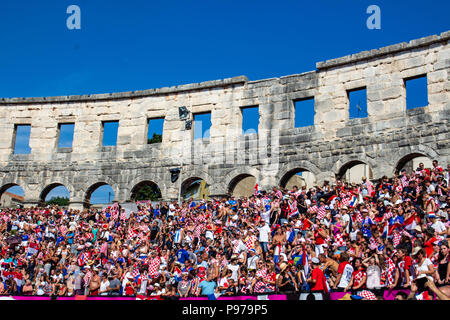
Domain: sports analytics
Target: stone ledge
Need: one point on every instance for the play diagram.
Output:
(129, 94)
(365, 55)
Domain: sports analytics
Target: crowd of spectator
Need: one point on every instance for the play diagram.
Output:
(362, 239)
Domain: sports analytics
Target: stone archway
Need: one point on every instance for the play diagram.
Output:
(90, 190)
(152, 192)
(354, 170)
(297, 177)
(49, 188)
(242, 185)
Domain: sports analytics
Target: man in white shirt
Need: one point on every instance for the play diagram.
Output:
(252, 261)
(264, 237)
(437, 225)
(234, 267)
(345, 271)
(345, 219)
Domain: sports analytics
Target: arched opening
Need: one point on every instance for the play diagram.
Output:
(411, 162)
(242, 185)
(298, 177)
(353, 171)
(55, 193)
(11, 196)
(195, 188)
(145, 190)
(99, 194)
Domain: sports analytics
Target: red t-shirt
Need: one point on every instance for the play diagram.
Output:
(306, 224)
(318, 275)
(429, 246)
(319, 239)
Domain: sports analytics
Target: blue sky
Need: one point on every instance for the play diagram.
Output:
(136, 45)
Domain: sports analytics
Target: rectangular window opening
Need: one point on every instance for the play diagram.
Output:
(357, 102)
(304, 112)
(155, 130)
(110, 129)
(22, 139)
(65, 135)
(416, 92)
(202, 125)
(250, 119)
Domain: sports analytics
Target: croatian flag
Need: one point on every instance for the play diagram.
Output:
(305, 262)
(353, 201)
(82, 259)
(385, 230)
(410, 223)
(256, 189)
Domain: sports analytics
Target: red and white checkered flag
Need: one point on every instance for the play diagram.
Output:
(135, 272)
(321, 213)
(131, 233)
(367, 295)
(153, 267)
(313, 209)
(346, 201)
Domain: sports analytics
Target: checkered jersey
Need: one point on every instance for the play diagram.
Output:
(339, 240)
(367, 295)
(321, 213)
(358, 277)
(250, 243)
(388, 272)
(153, 266)
(270, 277)
(396, 239)
(260, 287)
(358, 217)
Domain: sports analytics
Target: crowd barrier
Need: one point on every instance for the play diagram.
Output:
(387, 295)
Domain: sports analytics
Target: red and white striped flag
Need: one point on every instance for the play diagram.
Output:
(410, 223)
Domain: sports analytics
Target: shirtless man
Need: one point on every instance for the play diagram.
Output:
(94, 284)
(278, 242)
(329, 266)
(429, 203)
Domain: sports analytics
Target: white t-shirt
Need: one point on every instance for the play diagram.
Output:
(234, 269)
(346, 218)
(264, 233)
(241, 247)
(209, 235)
(252, 262)
(346, 276)
(353, 235)
(424, 267)
(438, 226)
(104, 286)
(373, 277)
(265, 215)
